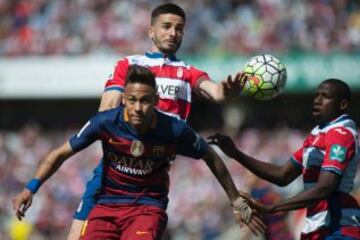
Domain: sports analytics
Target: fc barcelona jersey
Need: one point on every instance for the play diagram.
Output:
(136, 166)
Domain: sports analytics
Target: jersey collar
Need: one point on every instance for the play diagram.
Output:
(153, 123)
(336, 120)
(155, 55)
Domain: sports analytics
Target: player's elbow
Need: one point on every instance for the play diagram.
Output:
(282, 183)
(323, 191)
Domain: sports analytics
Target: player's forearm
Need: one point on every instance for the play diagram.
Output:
(110, 99)
(212, 91)
(267, 171)
(222, 174)
(52, 162)
(301, 200)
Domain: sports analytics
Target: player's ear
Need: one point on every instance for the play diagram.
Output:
(156, 102)
(151, 32)
(123, 99)
(344, 104)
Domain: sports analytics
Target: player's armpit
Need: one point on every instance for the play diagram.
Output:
(110, 99)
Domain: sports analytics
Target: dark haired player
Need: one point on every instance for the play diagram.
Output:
(327, 161)
(138, 144)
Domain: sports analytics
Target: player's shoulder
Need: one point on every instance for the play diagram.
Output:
(342, 128)
(174, 125)
(110, 115)
(128, 60)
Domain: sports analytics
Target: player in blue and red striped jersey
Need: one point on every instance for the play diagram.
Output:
(176, 82)
(327, 161)
(138, 145)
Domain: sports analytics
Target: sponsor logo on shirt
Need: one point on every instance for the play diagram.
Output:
(170, 90)
(337, 153)
(137, 148)
(131, 165)
(179, 72)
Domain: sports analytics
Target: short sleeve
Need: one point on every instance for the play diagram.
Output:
(118, 77)
(190, 144)
(297, 158)
(339, 150)
(196, 77)
(88, 134)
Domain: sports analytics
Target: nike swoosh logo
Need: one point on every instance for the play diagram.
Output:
(112, 141)
(142, 232)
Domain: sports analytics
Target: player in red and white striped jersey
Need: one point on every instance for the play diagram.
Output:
(327, 161)
(176, 81)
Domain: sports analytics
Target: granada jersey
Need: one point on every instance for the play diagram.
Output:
(136, 166)
(175, 81)
(332, 147)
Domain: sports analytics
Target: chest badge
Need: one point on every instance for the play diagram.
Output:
(179, 72)
(137, 148)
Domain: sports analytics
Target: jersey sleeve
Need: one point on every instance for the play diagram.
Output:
(196, 77)
(339, 150)
(88, 134)
(118, 77)
(297, 159)
(190, 144)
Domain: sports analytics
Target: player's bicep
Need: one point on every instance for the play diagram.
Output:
(65, 150)
(190, 144)
(290, 172)
(208, 89)
(340, 148)
(110, 99)
(328, 182)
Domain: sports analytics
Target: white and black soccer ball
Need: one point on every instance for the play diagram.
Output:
(267, 77)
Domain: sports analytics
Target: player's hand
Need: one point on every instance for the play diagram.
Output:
(255, 204)
(245, 215)
(22, 202)
(233, 87)
(225, 143)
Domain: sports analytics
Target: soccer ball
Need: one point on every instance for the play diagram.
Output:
(267, 77)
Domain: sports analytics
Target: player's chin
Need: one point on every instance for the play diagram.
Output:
(170, 48)
(317, 116)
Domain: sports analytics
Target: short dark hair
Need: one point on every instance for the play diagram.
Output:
(165, 9)
(342, 88)
(140, 74)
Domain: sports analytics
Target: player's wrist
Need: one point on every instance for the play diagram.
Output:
(33, 185)
(241, 207)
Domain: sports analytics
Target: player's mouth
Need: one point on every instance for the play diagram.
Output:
(316, 111)
(171, 43)
(137, 118)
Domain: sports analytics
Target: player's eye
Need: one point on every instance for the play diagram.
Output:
(166, 26)
(179, 29)
(131, 100)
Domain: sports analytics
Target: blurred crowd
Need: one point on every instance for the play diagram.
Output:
(198, 209)
(82, 27)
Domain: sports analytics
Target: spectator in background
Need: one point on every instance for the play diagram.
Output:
(103, 27)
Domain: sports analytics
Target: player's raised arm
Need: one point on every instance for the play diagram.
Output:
(228, 90)
(49, 166)
(242, 211)
(280, 175)
(110, 99)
